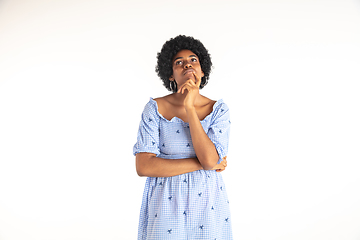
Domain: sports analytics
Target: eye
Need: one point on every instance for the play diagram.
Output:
(194, 60)
(178, 62)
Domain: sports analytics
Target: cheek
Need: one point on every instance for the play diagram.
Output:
(176, 70)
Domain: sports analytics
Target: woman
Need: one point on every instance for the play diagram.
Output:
(181, 147)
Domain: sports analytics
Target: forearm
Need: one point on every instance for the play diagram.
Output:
(149, 165)
(204, 148)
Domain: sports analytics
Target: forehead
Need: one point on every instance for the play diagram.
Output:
(185, 53)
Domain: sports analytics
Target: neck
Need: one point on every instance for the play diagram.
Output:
(179, 98)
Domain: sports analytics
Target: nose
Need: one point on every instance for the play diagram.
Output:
(187, 65)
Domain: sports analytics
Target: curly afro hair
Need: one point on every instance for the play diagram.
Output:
(171, 48)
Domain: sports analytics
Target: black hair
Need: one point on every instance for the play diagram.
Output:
(171, 48)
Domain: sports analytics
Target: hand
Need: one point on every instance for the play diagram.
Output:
(192, 90)
(221, 166)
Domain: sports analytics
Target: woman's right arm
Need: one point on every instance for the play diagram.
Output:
(147, 164)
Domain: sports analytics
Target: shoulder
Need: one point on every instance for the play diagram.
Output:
(165, 100)
(207, 102)
(220, 104)
(221, 110)
(206, 106)
(165, 104)
(150, 109)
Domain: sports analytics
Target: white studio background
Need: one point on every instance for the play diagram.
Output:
(75, 76)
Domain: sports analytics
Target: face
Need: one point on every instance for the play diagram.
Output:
(185, 63)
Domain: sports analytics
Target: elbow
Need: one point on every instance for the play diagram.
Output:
(208, 167)
(140, 174)
(142, 168)
(209, 164)
(139, 171)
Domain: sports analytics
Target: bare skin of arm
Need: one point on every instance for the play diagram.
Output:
(204, 148)
(147, 164)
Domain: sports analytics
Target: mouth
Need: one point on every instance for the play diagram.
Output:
(188, 71)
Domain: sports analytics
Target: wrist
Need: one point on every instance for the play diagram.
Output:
(199, 166)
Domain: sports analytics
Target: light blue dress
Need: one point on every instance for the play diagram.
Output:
(188, 206)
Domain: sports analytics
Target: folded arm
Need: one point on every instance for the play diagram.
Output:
(204, 148)
(147, 164)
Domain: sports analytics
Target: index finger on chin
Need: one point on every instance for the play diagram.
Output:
(197, 80)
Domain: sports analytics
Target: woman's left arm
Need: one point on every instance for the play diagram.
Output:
(204, 148)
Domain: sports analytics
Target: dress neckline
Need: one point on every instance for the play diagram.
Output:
(176, 119)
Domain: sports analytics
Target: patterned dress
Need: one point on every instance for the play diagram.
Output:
(188, 206)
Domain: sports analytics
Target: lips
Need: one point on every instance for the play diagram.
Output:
(188, 71)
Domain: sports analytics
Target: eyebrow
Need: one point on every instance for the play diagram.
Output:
(182, 57)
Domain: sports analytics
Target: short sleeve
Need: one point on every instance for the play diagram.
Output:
(148, 133)
(219, 130)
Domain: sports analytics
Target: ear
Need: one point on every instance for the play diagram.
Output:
(202, 74)
(171, 78)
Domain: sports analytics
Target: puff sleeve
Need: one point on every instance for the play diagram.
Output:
(148, 133)
(219, 130)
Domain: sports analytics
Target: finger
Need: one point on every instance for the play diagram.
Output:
(225, 165)
(191, 82)
(186, 87)
(181, 88)
(197, 80)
